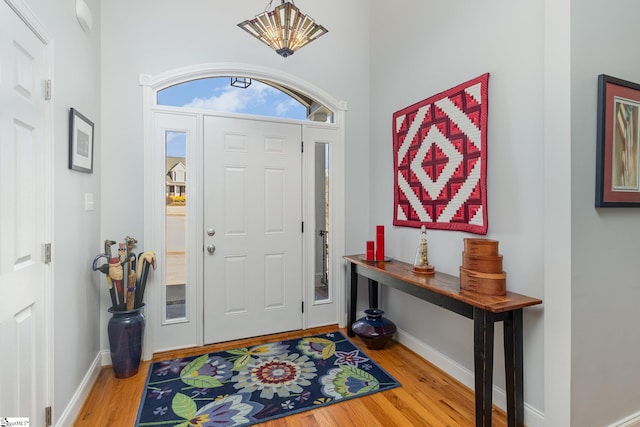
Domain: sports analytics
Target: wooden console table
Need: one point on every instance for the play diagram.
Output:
(444, 290)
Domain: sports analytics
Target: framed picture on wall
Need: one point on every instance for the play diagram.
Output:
(618, 143)
(80, 142)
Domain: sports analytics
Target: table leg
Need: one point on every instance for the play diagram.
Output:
(373, 294)
(353, 298)
(514, 371)
(483, 337)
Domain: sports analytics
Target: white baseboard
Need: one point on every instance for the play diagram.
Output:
(630, 421)
(532, 416)
(106, 357)
(70, 413)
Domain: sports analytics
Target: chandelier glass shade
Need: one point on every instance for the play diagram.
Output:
(285, 29)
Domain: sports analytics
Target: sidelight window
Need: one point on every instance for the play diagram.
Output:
(175, 223)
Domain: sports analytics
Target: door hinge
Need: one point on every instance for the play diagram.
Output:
(303, 226)
(47, 90)
(47, 416)
(302, 146)
(47, 253)
(303, 306)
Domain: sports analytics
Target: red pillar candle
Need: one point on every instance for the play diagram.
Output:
(370, 246)
(379, 242)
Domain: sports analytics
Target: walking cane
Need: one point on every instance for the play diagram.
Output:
(131, 281)
(144, 260)
(115, 272)
(104, 268)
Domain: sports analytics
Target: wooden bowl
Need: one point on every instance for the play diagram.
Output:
(484, 247)
(430, 269)
(483, 283)
(482, 263)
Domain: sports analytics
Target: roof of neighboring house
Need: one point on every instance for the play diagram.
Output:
(173, 163)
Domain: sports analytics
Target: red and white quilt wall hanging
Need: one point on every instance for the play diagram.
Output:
(440, 160)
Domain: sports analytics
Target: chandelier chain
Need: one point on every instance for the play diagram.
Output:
(271, 2)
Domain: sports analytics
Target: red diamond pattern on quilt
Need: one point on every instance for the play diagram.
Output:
(440, 160)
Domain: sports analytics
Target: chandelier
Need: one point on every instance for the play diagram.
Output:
(285, 29)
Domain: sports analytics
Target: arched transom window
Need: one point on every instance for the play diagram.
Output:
(246, 96)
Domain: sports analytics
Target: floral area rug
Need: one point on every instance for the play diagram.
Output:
(246, 386)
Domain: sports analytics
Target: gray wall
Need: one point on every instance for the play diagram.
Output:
(77, 290)
(605, 268)
(421, 48)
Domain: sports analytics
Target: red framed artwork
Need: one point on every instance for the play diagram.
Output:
(440, 160)
(618, 143)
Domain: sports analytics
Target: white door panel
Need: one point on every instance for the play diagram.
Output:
(253, 277)
(22, 218)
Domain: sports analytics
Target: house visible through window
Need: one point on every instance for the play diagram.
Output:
(176, 176)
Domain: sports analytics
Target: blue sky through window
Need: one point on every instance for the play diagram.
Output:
(217, 94)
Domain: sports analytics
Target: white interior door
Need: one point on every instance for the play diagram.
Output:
(253, 226)
(22, 219)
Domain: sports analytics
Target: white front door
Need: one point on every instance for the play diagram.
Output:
(253, 228)
(22, 220)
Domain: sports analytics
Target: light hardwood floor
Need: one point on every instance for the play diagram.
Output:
(428, 396)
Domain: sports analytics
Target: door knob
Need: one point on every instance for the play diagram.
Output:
(211, 248)
(211, 232)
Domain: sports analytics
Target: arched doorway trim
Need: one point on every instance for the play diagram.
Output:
(200, 71)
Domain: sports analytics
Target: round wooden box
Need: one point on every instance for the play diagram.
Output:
(483, 283)
(482, 263)
(484, 247)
